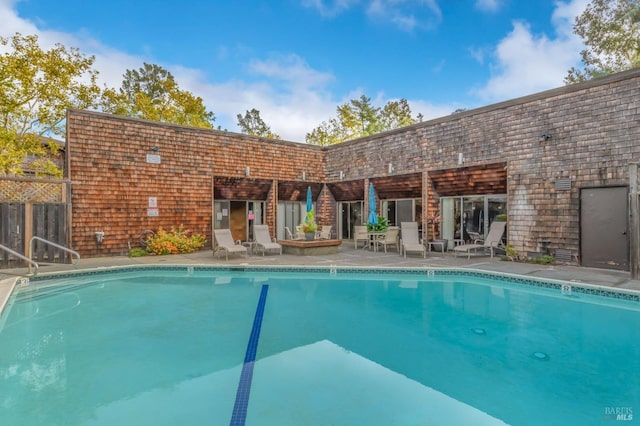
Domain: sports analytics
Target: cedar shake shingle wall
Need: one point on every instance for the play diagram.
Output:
(113, 181)
(595, 128)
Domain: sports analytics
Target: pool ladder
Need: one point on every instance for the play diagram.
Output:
(19, 256)
(52, 244)
(33, 265)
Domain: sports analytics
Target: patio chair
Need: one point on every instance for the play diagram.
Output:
(493, 241)
(360, 234)
(290, 236)
(389, 239)
(300, 233)
(263, 239)
(411, 239)
(225, 243)
(324, 233)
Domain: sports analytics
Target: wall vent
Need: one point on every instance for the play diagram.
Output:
(563, 255)
(563, 184)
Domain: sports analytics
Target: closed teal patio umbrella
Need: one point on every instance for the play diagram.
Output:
(309, 200)
(373, 217)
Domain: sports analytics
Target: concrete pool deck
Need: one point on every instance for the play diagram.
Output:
(349, 256)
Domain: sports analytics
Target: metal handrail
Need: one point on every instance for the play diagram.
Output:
(51, 243)
(18, 255)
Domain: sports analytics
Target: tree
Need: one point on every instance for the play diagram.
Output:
(359, 118)
(397, 114)
(252, 124)
(611, 33)
(36, 89)
(153, 94)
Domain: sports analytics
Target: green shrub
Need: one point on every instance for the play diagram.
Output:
(510, 251)
(137, 252)
(174, 242)
(381, 226)
(542, 260)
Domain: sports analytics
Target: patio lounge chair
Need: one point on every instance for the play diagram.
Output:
(389, 239)
(493, 240)
(360, 234)
(324, 233)
(411, 240)
(263, 239)
(225, 243)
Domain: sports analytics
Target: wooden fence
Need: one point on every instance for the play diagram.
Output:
(34, 207)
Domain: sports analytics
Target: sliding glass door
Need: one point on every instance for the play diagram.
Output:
(350, 214)
(466, 218)
(239, 217)
(290, 215)
(403, 210)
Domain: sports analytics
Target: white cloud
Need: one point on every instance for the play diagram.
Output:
(329, 8)
(488, 5)
(290, 69)
(406, 14)
(477, 53)
(564, 15)
(526, 63)
(289, 114)
(431, 111)
(11, 23)
(290, 95)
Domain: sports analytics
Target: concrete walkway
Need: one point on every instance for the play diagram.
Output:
(349, 256)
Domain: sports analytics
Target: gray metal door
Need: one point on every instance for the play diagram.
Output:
(604, 242)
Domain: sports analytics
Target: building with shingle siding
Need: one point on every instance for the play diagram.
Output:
(549, 161)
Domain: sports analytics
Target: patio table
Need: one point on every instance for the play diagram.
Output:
(435, 244)
(373, 236)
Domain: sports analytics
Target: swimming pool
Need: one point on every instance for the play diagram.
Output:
(272, 346)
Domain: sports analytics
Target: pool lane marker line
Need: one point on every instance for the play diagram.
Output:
(239, 415)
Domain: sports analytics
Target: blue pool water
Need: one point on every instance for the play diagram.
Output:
(171, 346)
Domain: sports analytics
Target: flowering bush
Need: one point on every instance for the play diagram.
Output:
(309, 224)
(174, 242)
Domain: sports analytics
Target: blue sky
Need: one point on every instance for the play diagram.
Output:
(297, 60)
